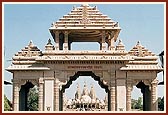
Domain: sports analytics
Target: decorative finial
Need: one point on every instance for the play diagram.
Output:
(84, 83)
(116, 24)
(74, 7)
(49, 42)
(120, 42)
(138, 43)
(95, 8)
(30, 43)
(52, 24)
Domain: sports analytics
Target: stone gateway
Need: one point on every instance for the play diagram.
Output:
(115, 69)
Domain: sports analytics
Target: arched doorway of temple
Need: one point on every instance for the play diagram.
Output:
(79, 94)
(136, 99)
(25, 97)
(143, 97)
(146, 92)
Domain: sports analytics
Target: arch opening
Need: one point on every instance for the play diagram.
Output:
(87, 99)
(28, 97)
(145, 90)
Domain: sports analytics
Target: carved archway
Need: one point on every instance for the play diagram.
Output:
(23, 95)
(84, 73)
(145, 90)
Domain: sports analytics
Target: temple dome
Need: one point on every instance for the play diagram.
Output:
(85, 99)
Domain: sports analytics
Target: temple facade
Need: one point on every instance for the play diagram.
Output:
(115, 69)
(85, 101)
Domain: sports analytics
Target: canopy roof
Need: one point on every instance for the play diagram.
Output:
(85, 22)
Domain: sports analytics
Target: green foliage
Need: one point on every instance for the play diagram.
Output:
(32, 101)
(7, 104)
(137, 104)
(161, 104)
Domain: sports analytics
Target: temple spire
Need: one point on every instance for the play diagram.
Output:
(78, 93)
(92, 93)
(85, 90)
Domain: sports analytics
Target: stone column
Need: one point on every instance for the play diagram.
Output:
(128, 94)
(111, 41)
(112, 44)
(16, 95)
(56, 40)
(103, 41)
(56, 94)
(113, 95)
(65, 45)
(154, 102)
(40, 100)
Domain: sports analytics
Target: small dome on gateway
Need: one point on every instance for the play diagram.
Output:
(120, 46)
(49, 45)
(31, 43)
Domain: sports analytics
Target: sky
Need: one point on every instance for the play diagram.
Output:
(25, 22)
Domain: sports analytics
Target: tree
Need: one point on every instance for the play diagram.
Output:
(137, 104)
(161, 103)
(7, 104)
(32, 101)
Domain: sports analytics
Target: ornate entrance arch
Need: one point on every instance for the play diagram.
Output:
(116, 69)
(23, 93)
(86, 73)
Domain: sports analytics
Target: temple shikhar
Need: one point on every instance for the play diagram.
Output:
(115, 69)
(86, 101)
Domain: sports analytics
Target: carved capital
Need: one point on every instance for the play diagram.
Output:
(154, 82)
(61, 84)
(41, 81)
(15, 81)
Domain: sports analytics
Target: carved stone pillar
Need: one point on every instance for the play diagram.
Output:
(56, 94)
(103, 41)
(40, 100)
(113, 95)
(56, 40)
(16, 89)
(154, 103)
(129, 88)
(65, 45)
(112, 47)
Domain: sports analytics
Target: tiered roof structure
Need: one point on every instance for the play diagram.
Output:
(112, 66)
(88, 20)
(86, 23)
